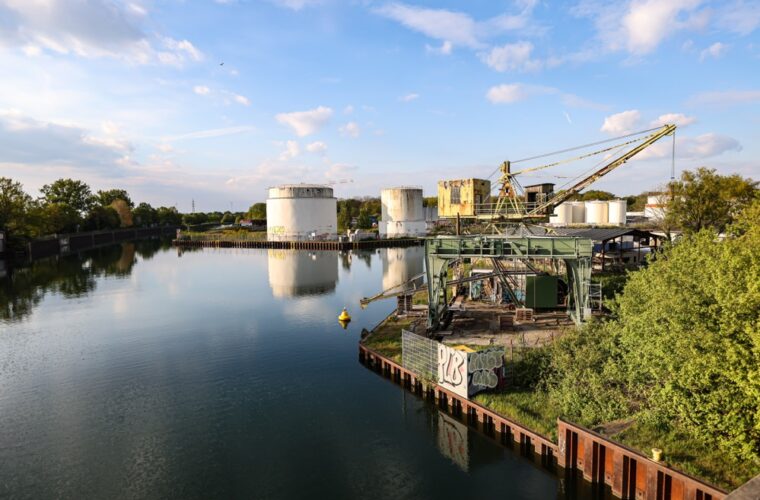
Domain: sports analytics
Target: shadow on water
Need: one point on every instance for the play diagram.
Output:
(71, 275)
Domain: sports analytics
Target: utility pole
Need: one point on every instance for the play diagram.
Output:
(193, 206)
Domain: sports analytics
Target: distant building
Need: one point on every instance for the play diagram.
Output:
(463, 197)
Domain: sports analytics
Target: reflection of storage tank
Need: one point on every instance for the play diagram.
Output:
(596, 212)
(294, 273)
(579, 212)
(563, 214)
(301, 212)
(402, 264)
(616, 210)
(402, 212)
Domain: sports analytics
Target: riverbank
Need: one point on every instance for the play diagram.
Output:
(530, 412)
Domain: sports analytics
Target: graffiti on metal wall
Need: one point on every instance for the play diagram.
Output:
(483, 368)
(452, 370)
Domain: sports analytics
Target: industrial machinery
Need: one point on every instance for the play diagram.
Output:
(516, 203)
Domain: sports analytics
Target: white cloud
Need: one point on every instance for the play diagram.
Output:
(678, 119)
(441, 24)
(409, 97)
(693, 148)
(348, 110)
(726, 97)
(350, 129)
(715, 51)
(201, 90)
(316, 147)
(292, 149)
(25, 140)
(622, 123)
(445, 48)
(740, 17)
(241, 99)
(507, 93)
(308, 122)
(214, 132)
(295, 4)
(340, 172)
(511, 57)
(90, 29)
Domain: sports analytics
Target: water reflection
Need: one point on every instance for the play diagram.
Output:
(73, 275)
(402, 264)
(295, 273)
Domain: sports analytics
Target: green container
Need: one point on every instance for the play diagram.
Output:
(541, 292)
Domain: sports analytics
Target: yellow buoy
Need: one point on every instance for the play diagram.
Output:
(656, 454)
(344, 316)
(344, 324)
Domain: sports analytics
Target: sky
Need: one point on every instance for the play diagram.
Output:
(213, 101)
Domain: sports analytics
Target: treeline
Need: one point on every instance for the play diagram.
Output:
(67, 206)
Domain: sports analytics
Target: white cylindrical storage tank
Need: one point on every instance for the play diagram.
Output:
(563, 214)
(579, 212)
(295, 273)
(616, 210)
(402, 213)
(596, 212)
(302, 212)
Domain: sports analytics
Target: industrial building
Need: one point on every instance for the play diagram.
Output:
(297, 212)
(402, 213)
(463, 197)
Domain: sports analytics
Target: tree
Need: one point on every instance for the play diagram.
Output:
(125, 214)
(14, 209)
(105, 198)
(257, 211)
(682, 349)
(75, 194)
(144, 215)
(226, 218)
(705, 199)
(58, 218)
(168, 216)
(344, 218)
(430, 201)
(364, 221)
(594, 194)
(101, 217)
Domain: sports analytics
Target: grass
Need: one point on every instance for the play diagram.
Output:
(689, 455)
(526, 407)
(385, 339)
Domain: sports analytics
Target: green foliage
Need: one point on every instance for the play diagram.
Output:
(74, 194)
(705, 199)
(144, 215)
(105, 198)
(168, 216)
(593, 194)
(683, 349)
(344, 218)
(430, 201)
(15, 205)
(101, 217)
(257, 211)
(364, 222)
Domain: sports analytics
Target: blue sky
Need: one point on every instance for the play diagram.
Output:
(366, 94)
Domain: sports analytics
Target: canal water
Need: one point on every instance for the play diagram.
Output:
(143, 371)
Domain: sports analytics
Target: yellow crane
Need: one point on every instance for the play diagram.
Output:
(511, 203)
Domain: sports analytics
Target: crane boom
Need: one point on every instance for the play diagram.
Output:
(539, 210)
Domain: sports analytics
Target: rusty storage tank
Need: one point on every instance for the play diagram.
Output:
(402, 212)
(298, 212)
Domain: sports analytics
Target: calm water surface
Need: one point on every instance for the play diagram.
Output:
(138, 371)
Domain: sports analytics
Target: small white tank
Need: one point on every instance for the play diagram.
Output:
(579, 212)
(596, 212)
(616, 210)
(402, 212)
(563, 214)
